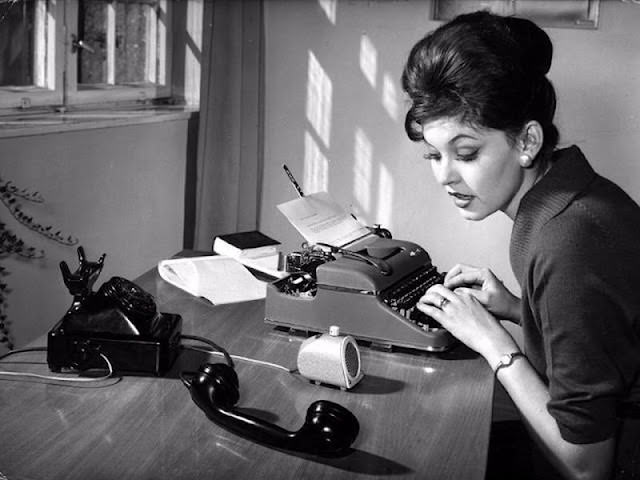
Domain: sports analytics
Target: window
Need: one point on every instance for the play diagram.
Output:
(78, 52)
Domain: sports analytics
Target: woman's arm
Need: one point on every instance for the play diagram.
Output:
(530, 395)
(468, 320)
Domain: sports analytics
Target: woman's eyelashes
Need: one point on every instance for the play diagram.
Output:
(467, 157)
(460, 156)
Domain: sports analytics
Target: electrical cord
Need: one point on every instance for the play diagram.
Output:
(246, 359)
(52, 377)
(23, 350)
(212, 344)
(217, 350)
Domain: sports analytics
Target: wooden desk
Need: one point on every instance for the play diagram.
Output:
(421, 416)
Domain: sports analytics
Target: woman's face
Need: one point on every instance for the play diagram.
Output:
(479, 168)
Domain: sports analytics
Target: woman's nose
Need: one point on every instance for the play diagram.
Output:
(444, 172)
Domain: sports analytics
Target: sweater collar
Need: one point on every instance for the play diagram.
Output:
(569, 175)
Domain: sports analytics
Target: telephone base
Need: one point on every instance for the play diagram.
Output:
(128, 354)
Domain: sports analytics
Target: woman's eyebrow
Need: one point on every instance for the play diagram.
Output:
(452, 140)
(462, 136)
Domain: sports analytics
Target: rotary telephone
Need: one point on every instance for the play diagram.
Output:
(119, 321)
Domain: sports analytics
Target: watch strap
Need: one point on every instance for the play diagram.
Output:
(507, 360)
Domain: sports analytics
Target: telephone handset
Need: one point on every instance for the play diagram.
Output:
(329, 429)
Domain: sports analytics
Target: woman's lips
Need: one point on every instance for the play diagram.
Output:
(460, 199)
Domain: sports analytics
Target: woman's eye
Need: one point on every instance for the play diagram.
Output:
(467, 157)
(431, 156)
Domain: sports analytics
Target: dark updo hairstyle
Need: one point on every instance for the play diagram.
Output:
(486, 70)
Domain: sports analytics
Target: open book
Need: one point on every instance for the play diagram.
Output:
(217, 278)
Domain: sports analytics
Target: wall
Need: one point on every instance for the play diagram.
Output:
(120, 190)
(335, 113)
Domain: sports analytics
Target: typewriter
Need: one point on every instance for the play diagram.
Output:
(369, 290)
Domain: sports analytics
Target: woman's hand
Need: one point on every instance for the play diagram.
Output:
(462, 314)
(486, 288)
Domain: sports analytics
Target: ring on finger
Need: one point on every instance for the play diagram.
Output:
(443, 302)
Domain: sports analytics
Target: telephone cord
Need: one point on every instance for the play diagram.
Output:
(53, 377)
(246, 359)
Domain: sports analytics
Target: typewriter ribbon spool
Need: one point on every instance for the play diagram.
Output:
(331, 359)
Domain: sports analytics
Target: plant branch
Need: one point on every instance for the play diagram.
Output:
(10, 243)
(9, 194)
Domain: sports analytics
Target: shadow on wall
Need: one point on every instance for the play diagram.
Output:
(334, 126)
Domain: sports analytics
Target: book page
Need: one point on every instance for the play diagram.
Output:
(319, 218)
(181, 273)
(217, 278)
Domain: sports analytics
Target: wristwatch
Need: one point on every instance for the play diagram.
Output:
(506, 360)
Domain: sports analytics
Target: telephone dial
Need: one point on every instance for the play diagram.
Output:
(329, 429)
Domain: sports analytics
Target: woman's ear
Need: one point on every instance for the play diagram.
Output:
(530, 142)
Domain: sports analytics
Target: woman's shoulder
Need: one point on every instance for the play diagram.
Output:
(593, 222)
(598, 214)
(592, 190)
(587, 237)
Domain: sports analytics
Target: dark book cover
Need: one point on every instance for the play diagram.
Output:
(250, 239)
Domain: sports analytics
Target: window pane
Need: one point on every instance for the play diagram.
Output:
(123, 38)
(17, 18)
(134, 29)
(92, 31)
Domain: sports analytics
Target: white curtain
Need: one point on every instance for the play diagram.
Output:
(229, 159)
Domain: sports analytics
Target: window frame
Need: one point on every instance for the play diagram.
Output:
(60, 90)
(50, 90)
(107, 93)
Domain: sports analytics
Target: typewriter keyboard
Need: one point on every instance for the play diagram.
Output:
(403, 296)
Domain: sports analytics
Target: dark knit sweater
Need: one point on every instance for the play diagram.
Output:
(575, 250)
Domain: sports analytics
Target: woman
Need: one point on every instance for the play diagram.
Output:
(483, 108)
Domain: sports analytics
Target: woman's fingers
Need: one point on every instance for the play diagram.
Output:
(433, 311)
(463, 315)
(481, 295)
(465, 276)
(438, 296)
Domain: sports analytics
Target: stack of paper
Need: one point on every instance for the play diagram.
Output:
(217, 278)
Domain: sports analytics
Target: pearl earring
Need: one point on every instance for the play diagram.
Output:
(525, 160)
